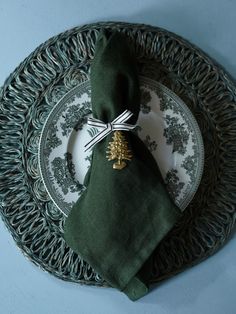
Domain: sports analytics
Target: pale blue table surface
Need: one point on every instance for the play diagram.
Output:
(206, 288)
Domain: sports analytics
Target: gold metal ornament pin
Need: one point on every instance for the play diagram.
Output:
(118, 149)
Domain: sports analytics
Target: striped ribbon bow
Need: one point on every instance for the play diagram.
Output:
(106, 128)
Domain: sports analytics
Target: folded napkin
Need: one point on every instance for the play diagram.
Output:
(123, 214)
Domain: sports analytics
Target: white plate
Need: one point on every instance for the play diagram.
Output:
(165, 124)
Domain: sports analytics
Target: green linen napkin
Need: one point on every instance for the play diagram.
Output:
(123, 214)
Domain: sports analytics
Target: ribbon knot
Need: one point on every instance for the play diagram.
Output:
(110, 126)
(106, 128)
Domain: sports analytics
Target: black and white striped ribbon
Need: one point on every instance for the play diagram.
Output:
(106, 128)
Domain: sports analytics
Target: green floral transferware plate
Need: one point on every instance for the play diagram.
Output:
(165, 125)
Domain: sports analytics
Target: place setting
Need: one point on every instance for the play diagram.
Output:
(89, 145)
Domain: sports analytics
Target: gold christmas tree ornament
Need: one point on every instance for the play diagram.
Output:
(118, 149)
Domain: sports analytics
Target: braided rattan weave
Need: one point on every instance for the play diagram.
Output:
(45, 76)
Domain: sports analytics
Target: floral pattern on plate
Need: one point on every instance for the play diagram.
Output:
(166, 126)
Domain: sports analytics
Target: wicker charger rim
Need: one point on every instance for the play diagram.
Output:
(49, 72)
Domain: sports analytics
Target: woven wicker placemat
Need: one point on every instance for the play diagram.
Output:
(53, 69)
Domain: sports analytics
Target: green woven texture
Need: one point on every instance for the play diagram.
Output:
(123, 214)
(53, 69)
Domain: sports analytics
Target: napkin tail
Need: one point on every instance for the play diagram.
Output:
(135, 289)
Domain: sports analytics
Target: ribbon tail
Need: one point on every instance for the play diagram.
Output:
(98, 137)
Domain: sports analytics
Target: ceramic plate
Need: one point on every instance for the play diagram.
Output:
(165, 124)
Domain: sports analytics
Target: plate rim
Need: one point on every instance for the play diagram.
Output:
(53, 111)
